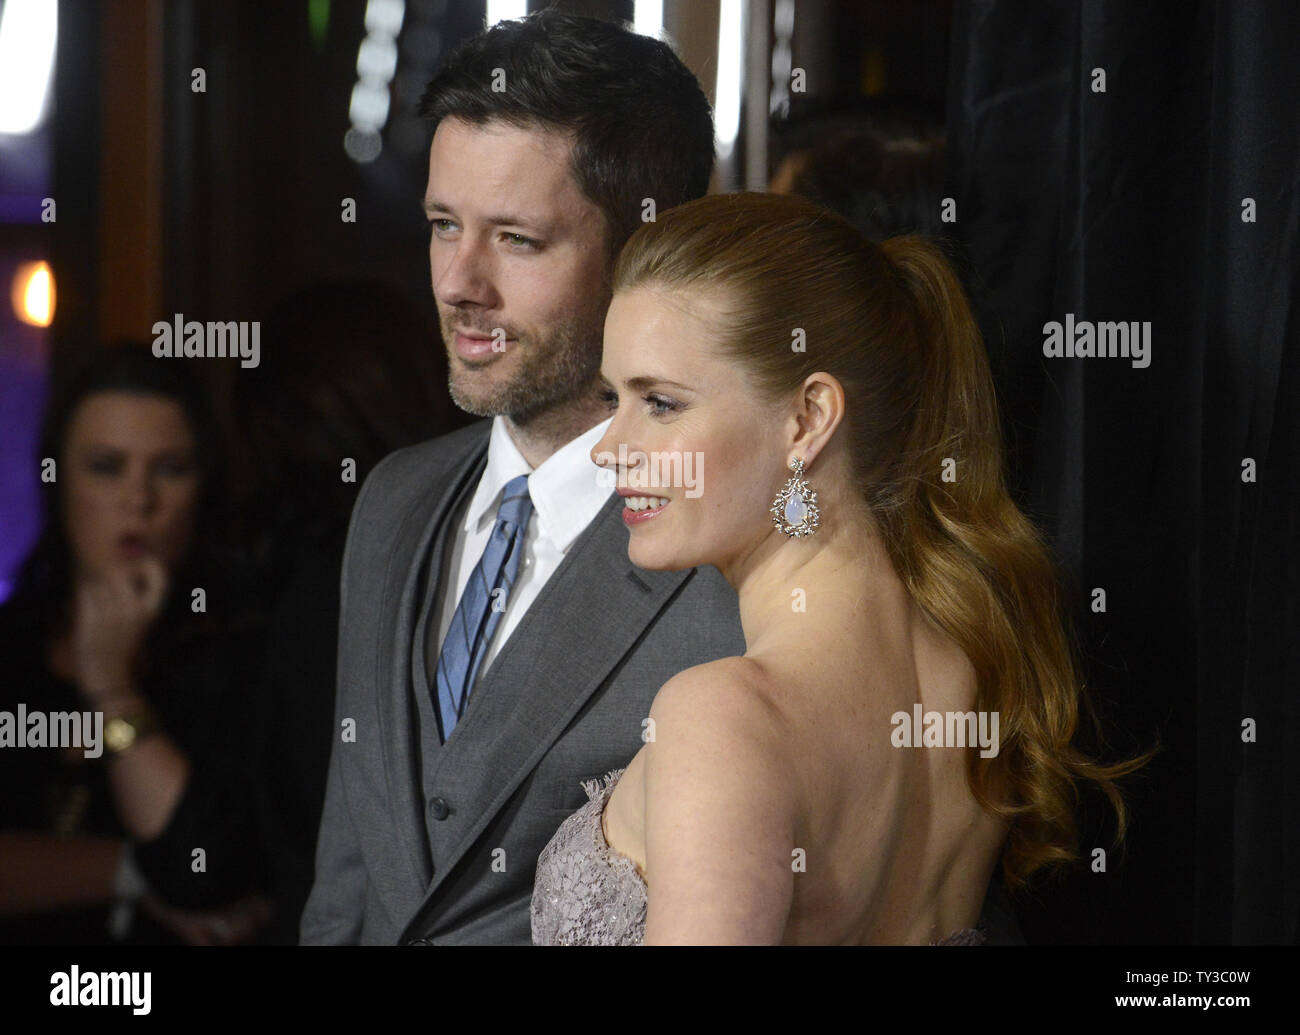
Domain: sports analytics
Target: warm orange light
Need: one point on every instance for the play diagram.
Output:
(33, 294)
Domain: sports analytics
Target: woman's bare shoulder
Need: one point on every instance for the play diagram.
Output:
(734, 690)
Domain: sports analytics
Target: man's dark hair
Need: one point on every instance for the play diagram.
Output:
(642, 126)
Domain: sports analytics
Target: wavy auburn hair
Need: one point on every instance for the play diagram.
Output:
(892, 323)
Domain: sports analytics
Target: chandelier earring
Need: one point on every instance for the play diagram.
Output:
(794, 511)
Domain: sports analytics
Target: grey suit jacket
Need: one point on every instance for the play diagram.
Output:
(562, 702)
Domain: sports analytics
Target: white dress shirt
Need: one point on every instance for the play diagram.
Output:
(566, 495)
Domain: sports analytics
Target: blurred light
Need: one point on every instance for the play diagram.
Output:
(501, 10)
(369, 108)
(782, 58)
(726, 109)
(376, 63)
(384, 17)
(648, 17)
(377, 58)
(318, 21)
(28, 31)
(362, 145)
(783, 17)
(32, 294)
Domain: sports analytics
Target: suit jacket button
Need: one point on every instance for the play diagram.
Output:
(439, 808)
(419, 941)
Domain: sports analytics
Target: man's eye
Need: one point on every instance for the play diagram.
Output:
(439, 226)
(519, 240)
(609, 398)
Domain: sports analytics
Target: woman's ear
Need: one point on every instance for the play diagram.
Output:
(818, 412)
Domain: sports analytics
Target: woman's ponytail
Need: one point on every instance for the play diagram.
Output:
(984, 574)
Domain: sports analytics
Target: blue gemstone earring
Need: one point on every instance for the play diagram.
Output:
(794, 511)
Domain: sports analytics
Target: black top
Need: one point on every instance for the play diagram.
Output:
(196, 690)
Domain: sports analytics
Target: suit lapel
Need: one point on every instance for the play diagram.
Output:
(552, 664)
(423, 534)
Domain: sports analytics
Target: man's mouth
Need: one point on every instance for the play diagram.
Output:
(477, 346)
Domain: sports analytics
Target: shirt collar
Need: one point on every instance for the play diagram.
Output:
(565, 489)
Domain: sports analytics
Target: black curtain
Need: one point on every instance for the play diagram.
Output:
(1169, 197)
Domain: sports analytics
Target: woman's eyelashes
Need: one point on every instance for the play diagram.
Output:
(660, 405)
(111, 466)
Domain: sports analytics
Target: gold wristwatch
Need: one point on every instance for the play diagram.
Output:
(122, 732)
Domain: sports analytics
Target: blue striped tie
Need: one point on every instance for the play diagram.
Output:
(481, 605)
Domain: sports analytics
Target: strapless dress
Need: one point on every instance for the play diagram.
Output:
(585, 893)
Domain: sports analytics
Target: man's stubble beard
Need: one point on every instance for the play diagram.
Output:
(560, 370)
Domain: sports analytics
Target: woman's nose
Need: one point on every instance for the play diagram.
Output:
(140, 494)
(611, 452)
(602, 453)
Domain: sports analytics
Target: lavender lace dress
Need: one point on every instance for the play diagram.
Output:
(585, 893)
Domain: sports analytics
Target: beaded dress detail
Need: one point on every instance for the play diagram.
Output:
(585, 893)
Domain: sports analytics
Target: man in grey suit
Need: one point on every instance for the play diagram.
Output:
(551, 136)
(496, 645)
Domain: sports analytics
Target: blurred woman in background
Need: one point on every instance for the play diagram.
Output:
(123, 608)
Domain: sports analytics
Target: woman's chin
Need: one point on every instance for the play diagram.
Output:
(658, 560)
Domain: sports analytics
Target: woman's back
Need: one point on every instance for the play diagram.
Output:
(897, 849)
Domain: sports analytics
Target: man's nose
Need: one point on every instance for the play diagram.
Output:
(466, 278)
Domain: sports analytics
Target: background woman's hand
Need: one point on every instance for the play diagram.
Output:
(113, 615)
(230, 925)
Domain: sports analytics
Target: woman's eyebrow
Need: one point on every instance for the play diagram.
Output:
(644, 381)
